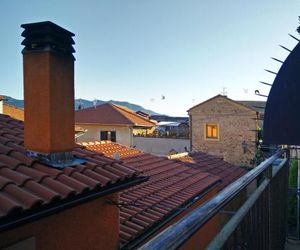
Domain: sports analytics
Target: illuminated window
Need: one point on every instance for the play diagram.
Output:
(212, 131)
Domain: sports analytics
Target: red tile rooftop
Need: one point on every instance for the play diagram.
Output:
(171, 186)
(27, 185)
(111, 114)
(214, 165)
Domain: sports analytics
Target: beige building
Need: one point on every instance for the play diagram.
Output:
(226, 128)
(110, 122)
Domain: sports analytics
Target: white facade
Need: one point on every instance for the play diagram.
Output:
(1, 106)
(160, 146)
(123, 133)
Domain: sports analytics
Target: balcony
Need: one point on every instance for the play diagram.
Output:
(252, 212)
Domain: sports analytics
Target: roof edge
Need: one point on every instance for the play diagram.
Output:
(133, 113)
(47, 210)
(225, 97)
(168, 218)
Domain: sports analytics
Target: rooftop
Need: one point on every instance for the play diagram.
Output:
(111, 114)
(214, 165)
(257, 106)
(173, 185)
(13, 111)
(28, 186)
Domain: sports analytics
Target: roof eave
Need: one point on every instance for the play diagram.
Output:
(153, 229)
(11, 222)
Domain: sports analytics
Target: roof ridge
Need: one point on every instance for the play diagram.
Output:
(12, 106)
(125, 109)
(224, 97)
(114, 106)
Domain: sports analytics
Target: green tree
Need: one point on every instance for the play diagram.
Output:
(292, 200)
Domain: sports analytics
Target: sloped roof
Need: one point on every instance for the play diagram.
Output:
(28, 187)
(111, 114)
(13, 111)
(226, 98)
(259, 106)
(214, 165)
(172, 184)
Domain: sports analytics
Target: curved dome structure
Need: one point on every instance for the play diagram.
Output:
(282, 113)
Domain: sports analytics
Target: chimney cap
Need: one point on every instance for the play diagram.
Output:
(47, 36)
(49, 26)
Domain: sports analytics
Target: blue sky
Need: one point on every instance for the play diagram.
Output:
(139, 50)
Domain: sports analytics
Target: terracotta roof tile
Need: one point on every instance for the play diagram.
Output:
(13, 111)
(26, 184)
(171, 185)
(111, 114)
(227, 172)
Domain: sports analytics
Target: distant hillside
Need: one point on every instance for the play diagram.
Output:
(132, 106)
(14, 102)
(87, 103)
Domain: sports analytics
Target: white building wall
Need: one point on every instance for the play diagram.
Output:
(160, 146)
(123, 133)
(1, 106)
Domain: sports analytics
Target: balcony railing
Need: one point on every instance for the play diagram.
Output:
(257, 222)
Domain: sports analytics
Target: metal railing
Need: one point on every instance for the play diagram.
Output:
(258, 222)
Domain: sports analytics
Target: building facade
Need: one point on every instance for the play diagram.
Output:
(110, 122)
(225, 128)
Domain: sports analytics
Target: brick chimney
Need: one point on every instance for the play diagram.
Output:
(48, 65)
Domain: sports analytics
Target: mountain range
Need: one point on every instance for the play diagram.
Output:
(86, 103)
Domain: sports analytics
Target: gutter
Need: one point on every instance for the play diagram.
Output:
(55, 207)
(154, 229)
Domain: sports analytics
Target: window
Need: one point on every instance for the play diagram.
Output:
(212, 131)
(108, 136)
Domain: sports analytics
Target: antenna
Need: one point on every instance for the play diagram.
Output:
(95, 102)
(224, 91)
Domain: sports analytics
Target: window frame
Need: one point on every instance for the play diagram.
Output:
(109, 135)
(213, 126)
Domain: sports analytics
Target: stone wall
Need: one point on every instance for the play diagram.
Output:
(237, 130)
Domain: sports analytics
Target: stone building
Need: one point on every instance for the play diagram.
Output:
(226, 128)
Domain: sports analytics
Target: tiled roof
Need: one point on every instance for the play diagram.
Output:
(259, 106)
(227, 172)
(111, 149)
(27, 185)
(240, 103)
(111, 114)
(18, 114)
(170, 187)
(13, 111)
